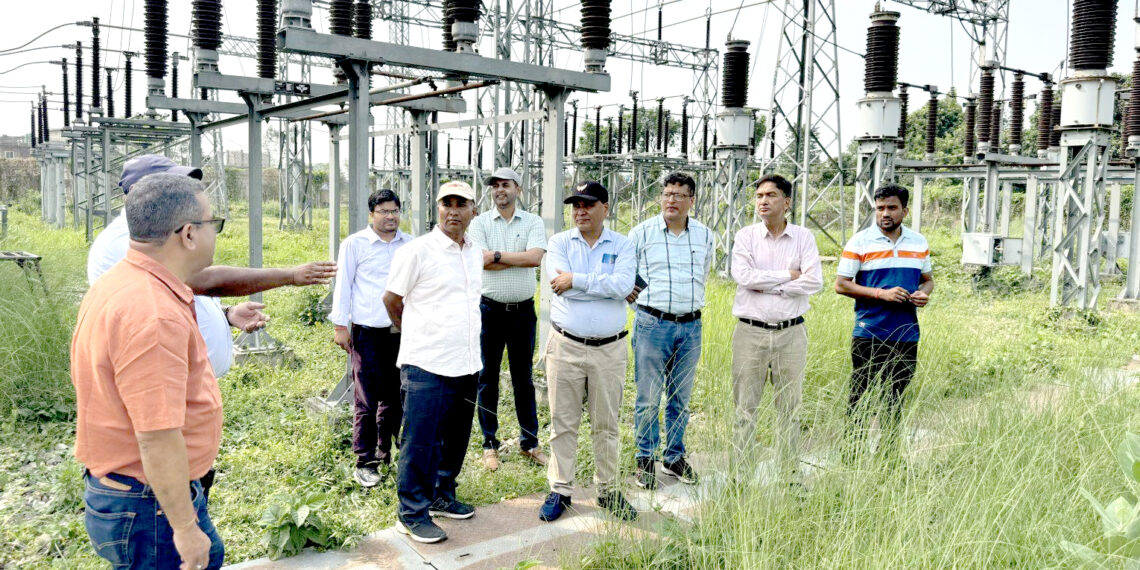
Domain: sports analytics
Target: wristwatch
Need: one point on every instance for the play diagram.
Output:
(498, 256)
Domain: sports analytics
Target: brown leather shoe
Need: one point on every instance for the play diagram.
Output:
(491, 459)
(536, 455)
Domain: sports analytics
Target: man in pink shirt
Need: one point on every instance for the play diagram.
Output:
(776, 267)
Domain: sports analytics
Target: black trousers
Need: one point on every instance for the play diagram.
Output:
(880, 367)
(513, 330)
(376, 420)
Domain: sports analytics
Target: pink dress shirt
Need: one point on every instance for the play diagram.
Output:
(761, 267)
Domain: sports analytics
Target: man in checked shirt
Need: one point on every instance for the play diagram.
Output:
(776, 267)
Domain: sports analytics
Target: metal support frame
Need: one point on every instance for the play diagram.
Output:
(1079, 219)
(875, 166)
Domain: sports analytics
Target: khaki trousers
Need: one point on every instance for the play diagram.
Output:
(756, 353)
(595, 374)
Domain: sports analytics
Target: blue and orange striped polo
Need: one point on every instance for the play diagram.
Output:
(873, 260)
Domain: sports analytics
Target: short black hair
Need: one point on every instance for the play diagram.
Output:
(782, 183)
(681, 179)
(380, 196)
(888, 190)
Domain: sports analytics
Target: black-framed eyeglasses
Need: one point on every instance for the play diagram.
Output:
(219, 224)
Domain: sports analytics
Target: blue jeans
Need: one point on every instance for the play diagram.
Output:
(437, 427)
(665, 356)
(128, 529)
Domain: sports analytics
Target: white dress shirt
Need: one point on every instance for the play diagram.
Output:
(603, 277)
(441, 284)
(361, 276)
(110, 247)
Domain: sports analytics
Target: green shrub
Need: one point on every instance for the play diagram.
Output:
(292, 523)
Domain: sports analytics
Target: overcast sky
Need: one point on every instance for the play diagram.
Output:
(934, 49)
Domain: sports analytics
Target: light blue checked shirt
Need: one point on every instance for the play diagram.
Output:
(603, 278)
(675, 266)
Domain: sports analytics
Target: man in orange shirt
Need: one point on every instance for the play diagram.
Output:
(149, 408)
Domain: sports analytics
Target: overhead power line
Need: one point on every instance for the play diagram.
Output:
(4, 51)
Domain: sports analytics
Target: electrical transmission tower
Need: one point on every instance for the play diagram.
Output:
(803, 137)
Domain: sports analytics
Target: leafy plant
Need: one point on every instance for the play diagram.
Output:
(313, 309)
(292, 523)
(1120, 519)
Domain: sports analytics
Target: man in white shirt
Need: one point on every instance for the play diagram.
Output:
(364, 330)
(214, 321)
(433, 298)
(586, 355)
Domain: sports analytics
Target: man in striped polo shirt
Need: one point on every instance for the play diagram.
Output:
(886, 269)
(674, 253)
(513, 242)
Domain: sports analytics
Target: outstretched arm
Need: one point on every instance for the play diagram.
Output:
(226, 281)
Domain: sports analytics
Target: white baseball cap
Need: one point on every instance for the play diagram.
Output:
(456, 188)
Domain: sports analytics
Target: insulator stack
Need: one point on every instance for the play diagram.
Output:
(155, 38)
(206, 23)
(78, 81)
(595, 33)
(46, 136)
(96, 96)
(174, 84)
(32, 138)
(881, 71)
(574, 131)
(267, 39)
(969, 147)
(931, 124)
(448, 40)
(66, 98)
(609, 135)
(621, 129)
(1045, 118)
(985, 104)
(464, 17)
(110, 95)
(904, 100)
(633, 124)
(1093, 32)
(668, 140)
(995, 126)
(340, 17)
(1016, 111)
(127, 84)
(597, 130)
(660, 125)
(734, 86)
(1132, 127)
(1055, 132)
(362, 20)
(685, 129)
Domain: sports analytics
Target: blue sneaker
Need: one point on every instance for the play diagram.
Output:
(554, 506)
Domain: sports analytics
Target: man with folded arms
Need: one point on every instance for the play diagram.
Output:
(586, 356)
(433, 298)
(364, 330)
(514, 242)
(776, 268)
(149, 409)
(674, 253)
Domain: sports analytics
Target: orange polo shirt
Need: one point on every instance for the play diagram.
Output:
(139, 364)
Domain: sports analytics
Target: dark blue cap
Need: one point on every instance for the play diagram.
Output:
(140, 166)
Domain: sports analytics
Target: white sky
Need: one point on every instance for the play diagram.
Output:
(934, 49)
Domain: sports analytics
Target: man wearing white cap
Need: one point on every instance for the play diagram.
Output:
(433, 298)
(513, 242)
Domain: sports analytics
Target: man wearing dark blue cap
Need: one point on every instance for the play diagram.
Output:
(586, 355)
(214, 321)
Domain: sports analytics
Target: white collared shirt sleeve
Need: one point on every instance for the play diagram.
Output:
(346, 261)
(810, 280)
(405, 271)
(744, 270)
(536, 237)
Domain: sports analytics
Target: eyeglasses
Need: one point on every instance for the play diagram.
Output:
(383, 212)
(675, 197)
(218, 223)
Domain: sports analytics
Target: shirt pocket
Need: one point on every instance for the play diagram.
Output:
(518, 241)
(607, 264)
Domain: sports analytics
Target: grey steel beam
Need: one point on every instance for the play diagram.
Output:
(304, 41)
(195, 105)
(212, 80)
(360, 122)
